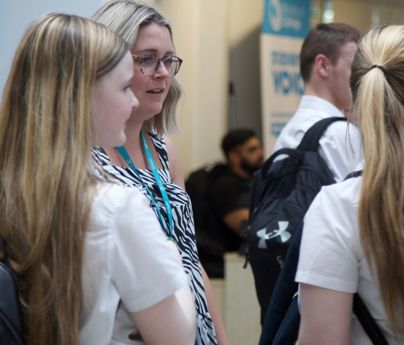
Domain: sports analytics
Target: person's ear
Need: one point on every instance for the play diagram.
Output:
(233, 157)
(321, 65)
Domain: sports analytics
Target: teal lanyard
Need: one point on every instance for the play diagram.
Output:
(125, 155)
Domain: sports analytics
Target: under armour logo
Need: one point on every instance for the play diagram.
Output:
(281, 232)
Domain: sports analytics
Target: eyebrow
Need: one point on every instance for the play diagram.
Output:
(153, 51)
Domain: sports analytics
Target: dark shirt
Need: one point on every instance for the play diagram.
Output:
(228, 193)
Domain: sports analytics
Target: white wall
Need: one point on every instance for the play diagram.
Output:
(16, 15)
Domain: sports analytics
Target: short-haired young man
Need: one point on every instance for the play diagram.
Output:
(325, 65)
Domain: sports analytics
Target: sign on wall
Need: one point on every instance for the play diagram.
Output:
(285, 24)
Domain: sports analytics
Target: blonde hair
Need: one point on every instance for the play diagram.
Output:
(126, 18)
(377, 83)
(46, 184)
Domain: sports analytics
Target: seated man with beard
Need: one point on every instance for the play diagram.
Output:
(229, 195)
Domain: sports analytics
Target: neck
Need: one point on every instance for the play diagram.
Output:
(320, 90)
(239, 171)
(132, 131)
(309, 90)
(133, 146)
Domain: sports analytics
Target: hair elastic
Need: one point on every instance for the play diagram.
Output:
(379, 67)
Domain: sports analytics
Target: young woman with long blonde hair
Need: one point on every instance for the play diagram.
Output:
(80, 247)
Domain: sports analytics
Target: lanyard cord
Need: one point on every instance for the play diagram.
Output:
(125, 155)
(160, 184)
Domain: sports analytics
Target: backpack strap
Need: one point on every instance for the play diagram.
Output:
(312, 137)
(309, 142)
(366, 320)
(3, 248)
(353, 174)
(296, 154)
(368, 323)
(11, 317)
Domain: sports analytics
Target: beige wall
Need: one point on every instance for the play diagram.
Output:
(366, 14)
(200, 37)
(244, 17)
(203, 33)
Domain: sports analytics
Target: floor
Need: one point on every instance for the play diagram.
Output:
(238, 302)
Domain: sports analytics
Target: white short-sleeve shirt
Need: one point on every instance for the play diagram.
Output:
(127, 263)
(331, 255)
(340, 146)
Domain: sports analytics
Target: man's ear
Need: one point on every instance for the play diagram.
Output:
(321, 65)
(233, 157)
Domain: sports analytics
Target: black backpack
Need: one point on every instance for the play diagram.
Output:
(281, 323)
(207, 224)
(282, 192)
(11, 321)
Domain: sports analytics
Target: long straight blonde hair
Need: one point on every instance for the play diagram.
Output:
(377, 83)
(45, 177)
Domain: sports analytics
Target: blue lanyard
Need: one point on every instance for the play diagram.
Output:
(122, 151)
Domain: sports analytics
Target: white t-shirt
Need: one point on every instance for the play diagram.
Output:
(340, 145)
(331, 255)
(127, 259)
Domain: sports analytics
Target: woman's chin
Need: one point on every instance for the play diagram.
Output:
(112, 142)
(122, 139)
(149, 112)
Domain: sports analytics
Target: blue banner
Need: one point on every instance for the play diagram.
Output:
(285, 24)
(286, 17)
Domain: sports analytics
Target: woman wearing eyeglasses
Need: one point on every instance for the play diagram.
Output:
(148, 160)
(80, 247)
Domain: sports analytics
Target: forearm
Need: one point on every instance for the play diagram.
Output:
(214, 311)
(237, 221)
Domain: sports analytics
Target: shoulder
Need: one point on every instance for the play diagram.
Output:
(160, 146)
(337, 199)
(335, 207)
(342, 131)
(157, 139)
(113, 200)
(176, 173)
(330, 251)
(227, 180)
(139, 256)
(332, 217)
(341, 147)
(228, 190)
(308, 113)
(99, 155)
(169, 144)
(123, 214)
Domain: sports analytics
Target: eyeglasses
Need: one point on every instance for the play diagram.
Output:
(149, 63)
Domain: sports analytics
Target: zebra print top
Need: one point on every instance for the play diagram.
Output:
(184, 232)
